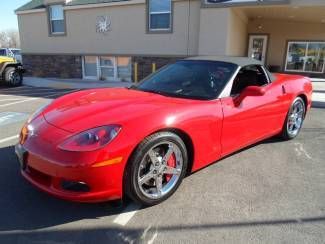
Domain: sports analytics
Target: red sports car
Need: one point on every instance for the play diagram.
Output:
(103, 144)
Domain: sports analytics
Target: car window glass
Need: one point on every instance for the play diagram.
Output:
(3, 52)
(190, 79)
(15, 51)
(252, 75)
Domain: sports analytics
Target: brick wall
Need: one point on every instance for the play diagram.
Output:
(54, 66)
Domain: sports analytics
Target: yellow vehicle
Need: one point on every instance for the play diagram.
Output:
(11, 71)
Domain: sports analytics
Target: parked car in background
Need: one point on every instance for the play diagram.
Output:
(11, 52)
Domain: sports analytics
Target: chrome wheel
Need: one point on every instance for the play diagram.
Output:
(160, 170)
(295, 118)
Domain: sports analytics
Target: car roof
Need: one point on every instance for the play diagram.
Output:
(240, 61)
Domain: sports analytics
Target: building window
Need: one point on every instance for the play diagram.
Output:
(124, 68)
(56, 15)
(109, 68)
(305, 57)
(160, 15)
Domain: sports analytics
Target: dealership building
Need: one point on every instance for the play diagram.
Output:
(128, 39)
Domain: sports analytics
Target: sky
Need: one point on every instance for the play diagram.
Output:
(8, 19)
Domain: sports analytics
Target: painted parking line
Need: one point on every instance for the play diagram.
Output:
(33, 89)
(318, 97)
(37, 98)
(9, 99)
(7, 118)
(21, 101)
(123, 218)
(11, 138)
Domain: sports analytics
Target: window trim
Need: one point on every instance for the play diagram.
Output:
(49, 21)
(308, 42)
(149, 30)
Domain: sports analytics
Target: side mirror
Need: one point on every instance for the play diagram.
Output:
(253, 91)
(250, 91)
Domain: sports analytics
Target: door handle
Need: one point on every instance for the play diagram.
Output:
(284, 90)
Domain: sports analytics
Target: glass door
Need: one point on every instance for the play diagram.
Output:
(108, 68)
(90, 67)
(257, 47)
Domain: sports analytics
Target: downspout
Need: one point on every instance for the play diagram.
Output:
(188, 28)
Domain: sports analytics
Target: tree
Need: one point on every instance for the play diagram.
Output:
(9, 38)
(3, 39)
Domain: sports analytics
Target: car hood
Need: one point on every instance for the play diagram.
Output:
(92, 108)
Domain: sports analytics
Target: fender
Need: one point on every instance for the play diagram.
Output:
(5, 65)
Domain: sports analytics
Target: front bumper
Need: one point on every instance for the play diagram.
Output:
(104, 182)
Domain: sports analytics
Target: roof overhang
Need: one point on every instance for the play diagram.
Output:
(32, 11)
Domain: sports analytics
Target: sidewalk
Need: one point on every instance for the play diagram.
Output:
(72, 83)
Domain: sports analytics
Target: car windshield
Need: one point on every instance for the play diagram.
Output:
(193, 79)
(15, 51)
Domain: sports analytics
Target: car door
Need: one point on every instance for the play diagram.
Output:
(255, 117)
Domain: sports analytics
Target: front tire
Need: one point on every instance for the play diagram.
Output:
(294, 119)
(13, 77)
(156, 168)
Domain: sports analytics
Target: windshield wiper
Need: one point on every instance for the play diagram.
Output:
(132, 87)
(156, 92)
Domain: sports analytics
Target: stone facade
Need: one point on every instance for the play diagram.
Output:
(145, 64)
(53, 66)
(70, 66)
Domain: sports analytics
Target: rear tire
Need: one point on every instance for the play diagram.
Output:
(13, 77)
(150, 177)
(294, 119)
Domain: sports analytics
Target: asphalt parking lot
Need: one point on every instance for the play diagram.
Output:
(272, 192)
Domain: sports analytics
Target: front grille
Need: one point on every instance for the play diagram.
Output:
(38, 176)
(75, 186)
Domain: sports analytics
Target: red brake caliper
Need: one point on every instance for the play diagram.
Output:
(171, 163)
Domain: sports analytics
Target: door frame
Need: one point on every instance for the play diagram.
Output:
(114, 66)
(265, 35)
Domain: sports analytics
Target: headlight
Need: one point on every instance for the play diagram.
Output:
(37, 112)
(92, 139)
(26, 130)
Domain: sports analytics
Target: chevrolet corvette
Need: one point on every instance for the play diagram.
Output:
(140, 142)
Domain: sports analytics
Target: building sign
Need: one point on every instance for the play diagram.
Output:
(103, 24)
(229, 3)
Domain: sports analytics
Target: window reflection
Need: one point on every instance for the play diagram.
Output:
(305, 57)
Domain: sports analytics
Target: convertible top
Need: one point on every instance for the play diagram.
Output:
(240, 61)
